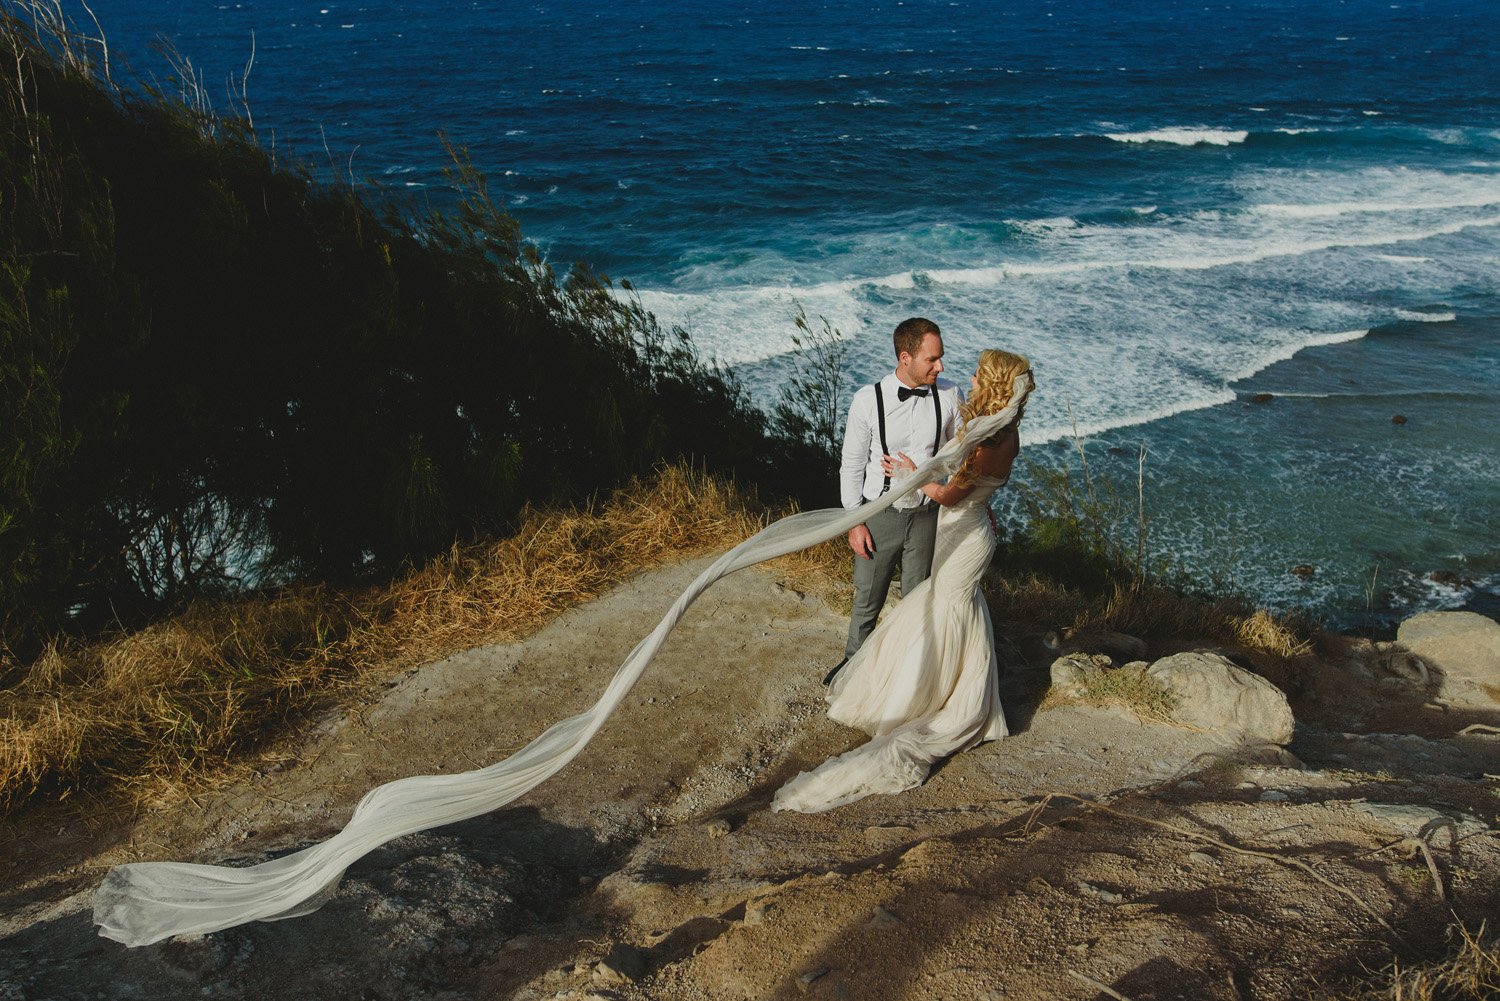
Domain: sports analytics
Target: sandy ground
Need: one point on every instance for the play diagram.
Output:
(1090, 852)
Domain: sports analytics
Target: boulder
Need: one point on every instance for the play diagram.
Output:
(1214, 694)
(1069, 671)
(1463, 646)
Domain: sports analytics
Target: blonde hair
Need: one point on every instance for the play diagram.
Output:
(994, 377)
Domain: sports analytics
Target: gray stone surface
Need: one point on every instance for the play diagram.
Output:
(1464, 647)
(1215, 694)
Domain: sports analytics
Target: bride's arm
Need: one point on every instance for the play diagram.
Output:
(989, 460)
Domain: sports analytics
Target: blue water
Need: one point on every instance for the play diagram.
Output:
(1170, 206)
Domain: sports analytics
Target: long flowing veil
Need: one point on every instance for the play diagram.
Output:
(144, 902)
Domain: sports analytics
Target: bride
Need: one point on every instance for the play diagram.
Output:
(925, 683)
(949, 702)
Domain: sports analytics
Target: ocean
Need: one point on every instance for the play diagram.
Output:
(1175, 209)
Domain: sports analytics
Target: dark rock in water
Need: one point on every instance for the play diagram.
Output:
(1262, 398)
(1399, 419)
(1447, 577)
(1116, 450)
(1304, 570)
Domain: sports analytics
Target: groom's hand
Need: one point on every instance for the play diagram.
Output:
(860, 541)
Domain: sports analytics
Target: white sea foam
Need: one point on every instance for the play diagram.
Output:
(1402, 259)
(1183, 136)
(1040, 431)
(1476, 200)
(1420, 317)
(1289, 349)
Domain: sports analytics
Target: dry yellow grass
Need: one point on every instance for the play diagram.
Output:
(168, 704)
(1470, 973)
(146, 709)
(1149, 609)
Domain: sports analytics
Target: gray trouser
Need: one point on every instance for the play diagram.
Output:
(905, 535)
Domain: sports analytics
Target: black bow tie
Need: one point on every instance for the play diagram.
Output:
(903, 394)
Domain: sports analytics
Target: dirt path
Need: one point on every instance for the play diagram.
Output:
(1165, 865)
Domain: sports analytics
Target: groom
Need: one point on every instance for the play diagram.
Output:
(911, 411)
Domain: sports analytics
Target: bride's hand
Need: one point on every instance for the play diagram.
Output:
(891, 466)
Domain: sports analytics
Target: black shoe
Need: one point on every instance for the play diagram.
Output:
(828, 678)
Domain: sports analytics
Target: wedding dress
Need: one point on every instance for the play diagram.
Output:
(144, 902)
(925, 684)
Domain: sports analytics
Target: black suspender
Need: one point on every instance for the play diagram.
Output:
(937, 434)
(937, 416)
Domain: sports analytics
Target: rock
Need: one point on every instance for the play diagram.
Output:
(716, 828)
(1274, 796)
(1463, 646)
(882, 918)
(1202, 858)
(1068, 674)
(1119, 646)
(1107, 896)
(625, 964)
(805, 982)
(1447, 577)
(1415, 820)
(1069, 671)
(1262, 398)
(1399, 419)
(1304, 569)
(756, 911)
(1214, 694)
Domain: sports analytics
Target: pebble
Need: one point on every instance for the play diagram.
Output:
(1202, 858)
(1274, 796)
(625, 964)
(882, 918)
(756, 911)
(1108, 896)
(716, 828)
(805, 982)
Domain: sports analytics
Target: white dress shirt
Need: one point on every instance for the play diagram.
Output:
(909, 428)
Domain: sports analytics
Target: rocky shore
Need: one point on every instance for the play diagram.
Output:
(1254, 842)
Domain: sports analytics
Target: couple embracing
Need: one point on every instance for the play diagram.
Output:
(923, 683)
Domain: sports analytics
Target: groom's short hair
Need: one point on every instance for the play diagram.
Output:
(909, 334)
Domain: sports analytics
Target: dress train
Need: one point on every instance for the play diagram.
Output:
(144, 902)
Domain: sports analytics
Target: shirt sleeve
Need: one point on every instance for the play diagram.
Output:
(859, 434)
